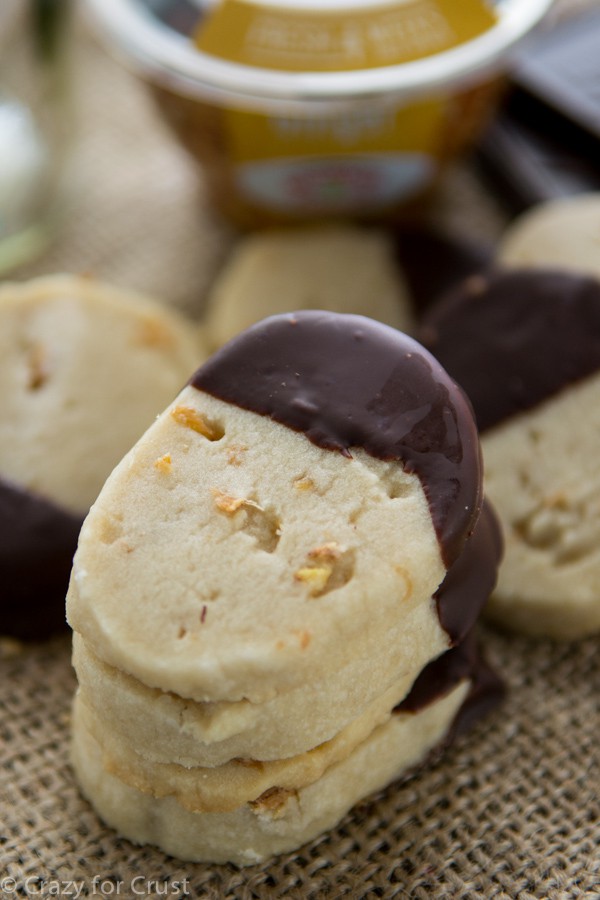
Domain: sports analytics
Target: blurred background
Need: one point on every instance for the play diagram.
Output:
(133, 207)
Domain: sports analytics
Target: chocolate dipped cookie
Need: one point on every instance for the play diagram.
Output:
(84, 369)
(265, 576)
(525, 346)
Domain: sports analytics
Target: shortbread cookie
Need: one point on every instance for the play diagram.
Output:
(242, 780)
(562, 233)
(525, 345)
(165, 728)
(278, 523)
(444, 701)
(84, 369)
(339, 268)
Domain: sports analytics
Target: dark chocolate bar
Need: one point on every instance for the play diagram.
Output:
(562, 69)
(545, 142)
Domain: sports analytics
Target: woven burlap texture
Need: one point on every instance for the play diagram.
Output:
(511, 812)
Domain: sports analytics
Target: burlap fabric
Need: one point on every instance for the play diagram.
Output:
(513, 809)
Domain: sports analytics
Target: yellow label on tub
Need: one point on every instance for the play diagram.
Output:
(295, 39)
(357, 161)
(375, 129)
(375, 154)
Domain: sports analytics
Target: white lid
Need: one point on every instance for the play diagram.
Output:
(173, 60)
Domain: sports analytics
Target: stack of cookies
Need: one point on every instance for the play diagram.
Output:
(274, 594)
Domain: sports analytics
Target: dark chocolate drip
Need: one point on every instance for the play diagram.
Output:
(460, 599)
(471, 579)
(349, 382)
(486, 691)
(442, 675)
(516, 338)
(37, 542)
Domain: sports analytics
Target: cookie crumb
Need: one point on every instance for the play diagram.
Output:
(329, 566)
(316, 577)
(329, 550)
(230, 505)
(191, 418)
(304, 484)
(163, 463)
(272, 802)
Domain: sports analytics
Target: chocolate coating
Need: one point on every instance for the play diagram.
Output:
(515, 338)
(487, 690)
(471, 579)
(433, 262)
(439, 677)
(38, 541)
(349, 382)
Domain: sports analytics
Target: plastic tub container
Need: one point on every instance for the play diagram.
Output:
(306, 109)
